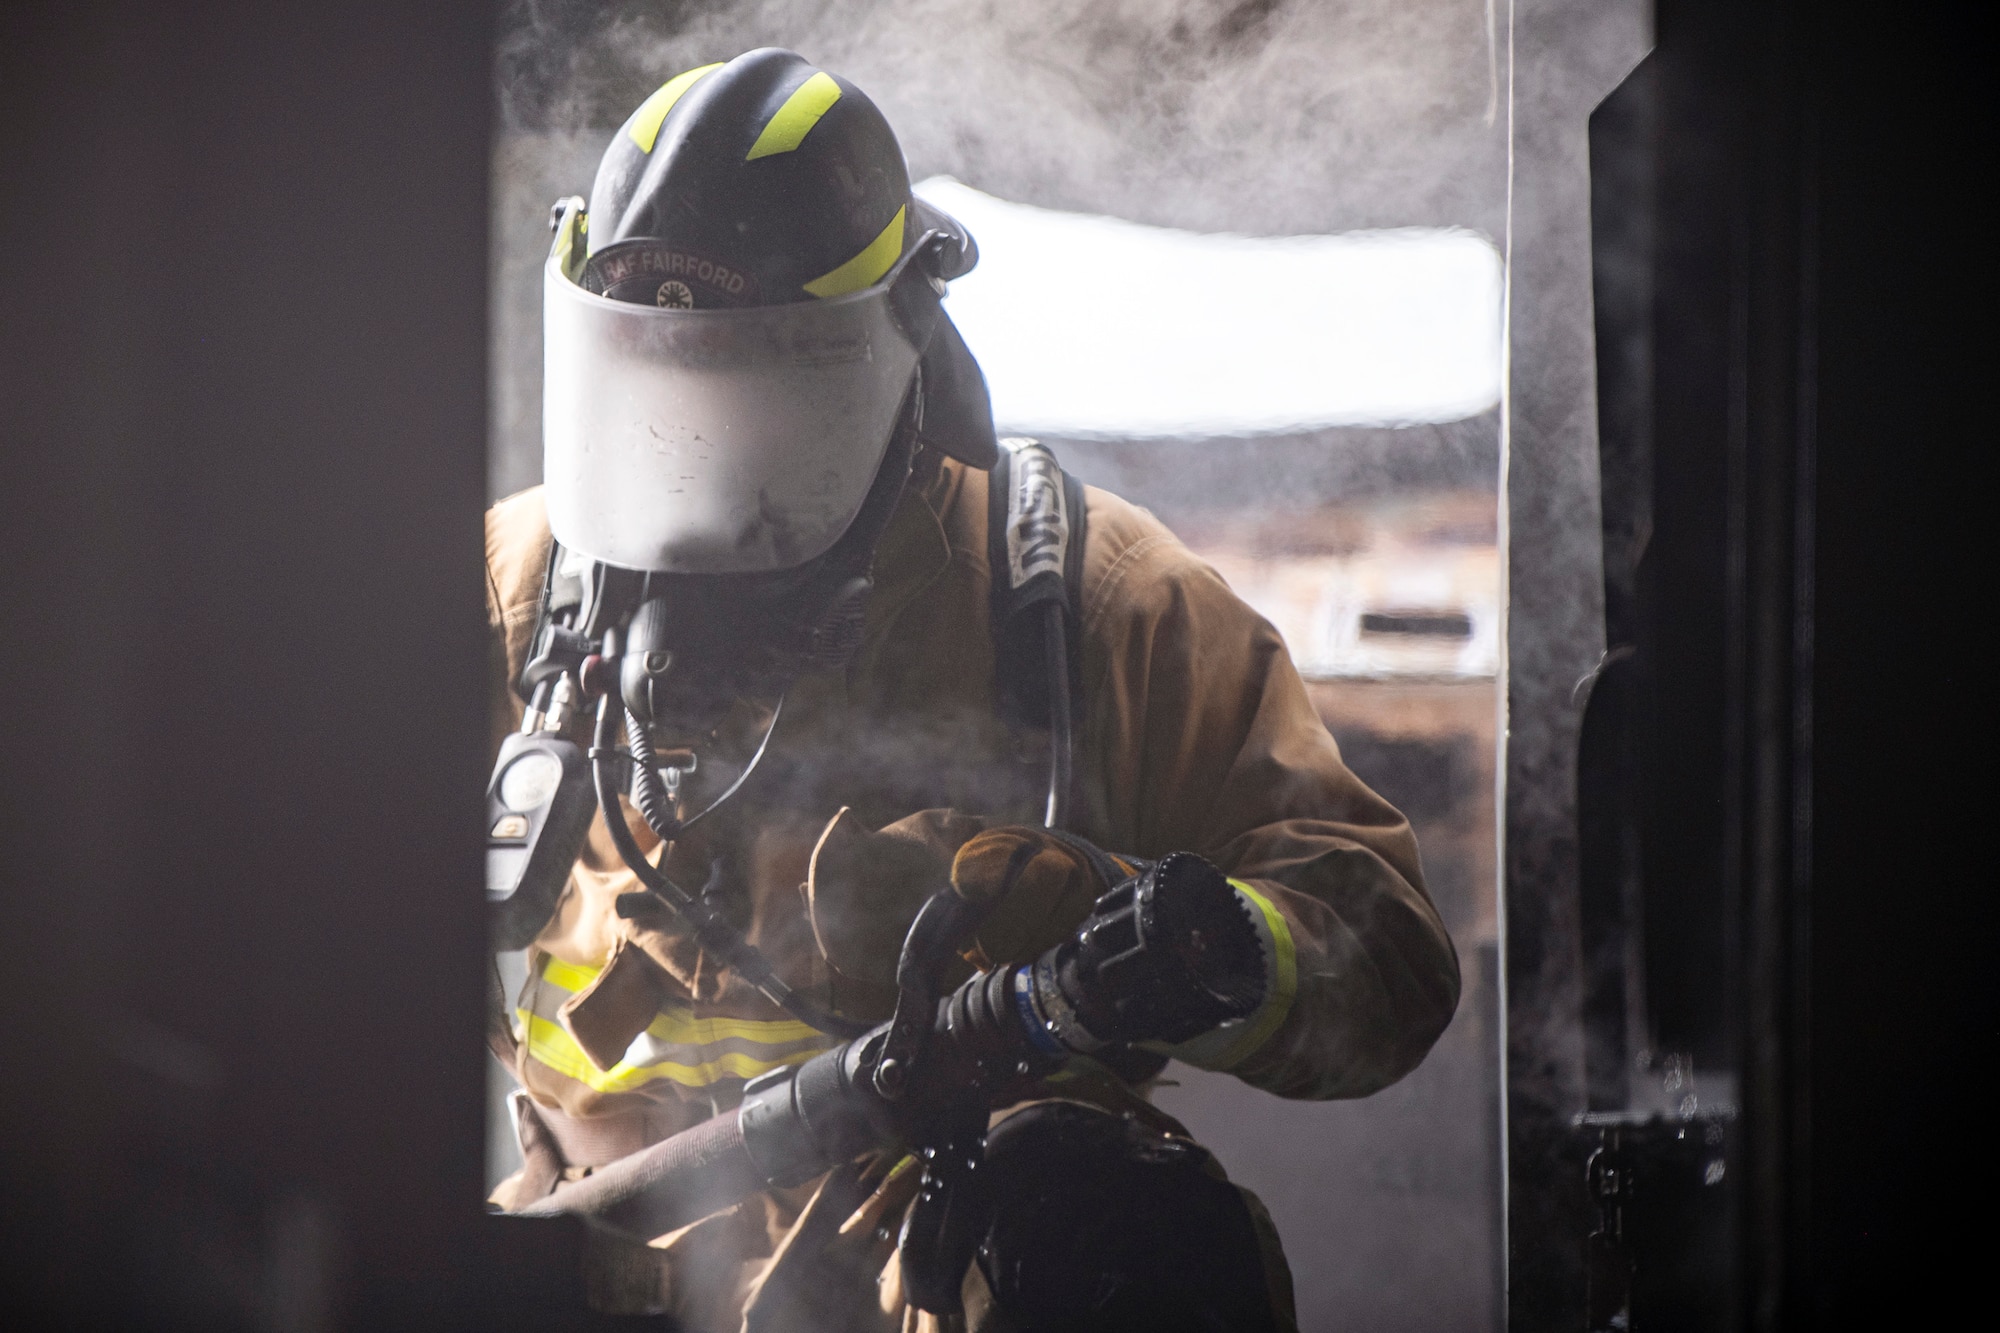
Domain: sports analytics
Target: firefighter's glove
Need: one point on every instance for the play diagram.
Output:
(865, 888)
(1035, 886)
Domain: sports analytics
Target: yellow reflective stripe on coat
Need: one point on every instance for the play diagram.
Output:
(644, 126)
(794, 120)
(569, 976)
(1232, 1043)
(692, 1051)
(554, 1047)
(865, 268)
(1284, 975)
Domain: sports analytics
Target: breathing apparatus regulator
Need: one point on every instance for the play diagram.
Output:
(745, 354)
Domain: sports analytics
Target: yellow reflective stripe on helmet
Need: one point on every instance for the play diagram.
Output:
(865, 268)
(795, 119)
(645, 124)
(552, 1045)
(572, 224)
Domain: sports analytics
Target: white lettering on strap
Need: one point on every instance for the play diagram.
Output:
(1037, 517)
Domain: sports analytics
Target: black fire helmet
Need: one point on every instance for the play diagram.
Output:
(768, 181)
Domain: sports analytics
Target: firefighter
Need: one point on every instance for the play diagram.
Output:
(813, 488)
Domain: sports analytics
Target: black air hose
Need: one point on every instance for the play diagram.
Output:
(647, 791)
(1062, 726)
(711, 931)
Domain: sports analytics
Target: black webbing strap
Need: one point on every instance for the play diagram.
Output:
(1035, 541)
(562, 598)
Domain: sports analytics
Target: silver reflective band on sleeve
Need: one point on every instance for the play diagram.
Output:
(1232, 1043)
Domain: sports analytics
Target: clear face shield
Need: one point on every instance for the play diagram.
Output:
(735, 441)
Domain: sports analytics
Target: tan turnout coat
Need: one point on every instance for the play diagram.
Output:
(1197, 735)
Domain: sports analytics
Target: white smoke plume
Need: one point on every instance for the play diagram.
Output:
(1257, 117)
(1262, 116)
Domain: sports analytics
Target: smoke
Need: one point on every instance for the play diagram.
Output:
(1262, 116)
(1258, 117)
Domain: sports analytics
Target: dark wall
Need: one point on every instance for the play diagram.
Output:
(1902, 919)
(241, 465)
(1777, 782)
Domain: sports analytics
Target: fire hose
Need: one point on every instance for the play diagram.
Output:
(1165, 956)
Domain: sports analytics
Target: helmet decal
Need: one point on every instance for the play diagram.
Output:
(646, 271)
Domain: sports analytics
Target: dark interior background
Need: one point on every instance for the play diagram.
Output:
(242, 455)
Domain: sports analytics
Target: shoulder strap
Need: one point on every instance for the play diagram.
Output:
(1035, 537)
(562, 598)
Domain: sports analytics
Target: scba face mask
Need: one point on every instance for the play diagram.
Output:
(745, 461)
(720, 441)
(734, 323)
(697, 645)
(743, 343)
